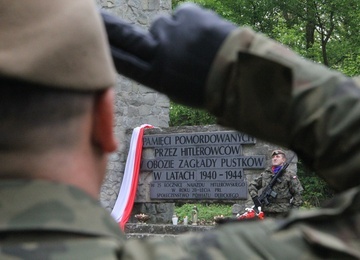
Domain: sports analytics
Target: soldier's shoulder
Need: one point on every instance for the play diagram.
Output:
(267, 171)
(291, 174)
(69, 248)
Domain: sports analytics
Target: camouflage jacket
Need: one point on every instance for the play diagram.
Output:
(288, 190)
(43, 220)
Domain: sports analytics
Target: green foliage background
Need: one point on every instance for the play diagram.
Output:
(186, 116)
(316, 190)
(325, 31)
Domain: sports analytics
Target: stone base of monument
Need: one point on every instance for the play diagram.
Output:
(137, 230)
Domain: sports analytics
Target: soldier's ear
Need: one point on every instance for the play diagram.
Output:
(102, 134)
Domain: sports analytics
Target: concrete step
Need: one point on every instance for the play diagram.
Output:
(163, 229)
(146, 235)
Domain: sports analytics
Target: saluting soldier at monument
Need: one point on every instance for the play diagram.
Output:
(56, 130)
(287, 187)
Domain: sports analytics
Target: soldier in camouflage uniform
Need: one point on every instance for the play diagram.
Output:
(287, 188)
(56, 129)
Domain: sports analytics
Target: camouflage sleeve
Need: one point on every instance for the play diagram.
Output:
(296, 190)
(305, 106)
(243, 240)
(255, 186)
(230, 241)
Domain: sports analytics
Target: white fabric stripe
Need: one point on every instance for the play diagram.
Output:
(123, 196)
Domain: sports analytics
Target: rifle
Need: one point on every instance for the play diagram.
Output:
(268, 192)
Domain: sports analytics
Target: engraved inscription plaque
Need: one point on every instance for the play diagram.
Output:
(202, 166)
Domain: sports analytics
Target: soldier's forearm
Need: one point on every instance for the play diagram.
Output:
(296, 100)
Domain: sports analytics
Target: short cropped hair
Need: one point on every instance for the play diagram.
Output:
(26, 108)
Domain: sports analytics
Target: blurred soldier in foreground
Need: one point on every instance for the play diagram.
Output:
(56, 132)
(201, 60)
(287, 187)
(56, 129)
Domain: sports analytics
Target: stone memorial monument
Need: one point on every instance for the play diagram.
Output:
(191, 164)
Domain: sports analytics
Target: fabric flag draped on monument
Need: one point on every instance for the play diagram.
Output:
(126, 197)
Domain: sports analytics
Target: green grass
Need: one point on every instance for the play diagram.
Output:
(206, 212)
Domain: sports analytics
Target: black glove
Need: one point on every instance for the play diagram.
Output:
(175, 56)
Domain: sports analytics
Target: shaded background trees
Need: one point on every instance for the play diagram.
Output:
(325, 31)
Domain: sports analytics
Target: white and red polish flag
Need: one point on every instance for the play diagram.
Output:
(126, 197)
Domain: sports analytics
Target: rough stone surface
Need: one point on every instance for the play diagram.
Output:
(135, 104)
(237, 208)
(137, 230)
(158, 212)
